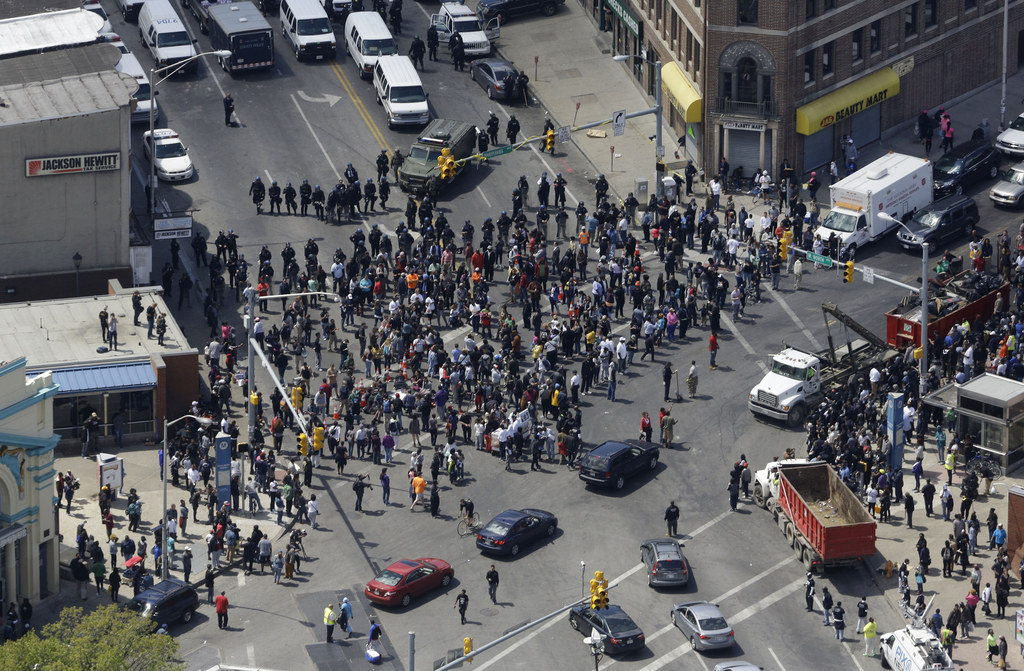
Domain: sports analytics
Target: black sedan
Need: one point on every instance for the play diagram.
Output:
(512, 530)
(620, 633)
(490, 74)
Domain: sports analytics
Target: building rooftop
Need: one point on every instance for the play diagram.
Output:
(994, 387)
(49, 65)
(33, 32)
(68, 96)
(66, 332)
(10, 9)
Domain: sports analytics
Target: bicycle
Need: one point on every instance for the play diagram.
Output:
(984, 466)
(468, 526)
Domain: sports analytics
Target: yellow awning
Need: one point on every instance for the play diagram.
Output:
(681, 93)
(847, 101)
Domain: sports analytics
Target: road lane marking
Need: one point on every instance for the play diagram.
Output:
(796, 320)
(482, 195)
(241, 579)
(337, 175)
(360, 107)
(270, 179)
(250, 652)
(707, 525)
(776, 658)
(743, 341)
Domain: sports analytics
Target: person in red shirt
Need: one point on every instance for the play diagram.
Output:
(222, 611)
(713, 348)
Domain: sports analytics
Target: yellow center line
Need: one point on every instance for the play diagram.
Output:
(360, 107)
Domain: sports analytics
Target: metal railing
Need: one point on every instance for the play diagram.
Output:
(767, 109)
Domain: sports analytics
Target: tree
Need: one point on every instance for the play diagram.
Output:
(107, 639)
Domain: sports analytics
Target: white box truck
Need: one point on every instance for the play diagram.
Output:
(896, 184)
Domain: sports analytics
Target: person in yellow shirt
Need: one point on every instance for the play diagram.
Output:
(330, 618)
(870, 638)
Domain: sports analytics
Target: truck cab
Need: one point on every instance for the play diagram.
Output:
(913, 649)
(766, 480)
(456, 17)
(783, 392)
(849, 223)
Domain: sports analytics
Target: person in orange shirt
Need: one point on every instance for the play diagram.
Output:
(419, 485)
(412, 280)
(262, 291)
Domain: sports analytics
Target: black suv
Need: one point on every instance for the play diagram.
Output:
(166, 602)
(964, 165)
(612, 462)
(944, 220)
(505, 9)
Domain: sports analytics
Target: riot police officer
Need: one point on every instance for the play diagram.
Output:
(560, 190)
(410, 213)
(275, 197)
(543, 189)
(517, 201)
(258, 193)
(384, 191)
(382, 164)
(416, 51)
(396, 162)
(432, 42)
(369, 195)
(396, 19)
(311, 248)
(305, 196)
(600, 188)
(289, 199)
(353, 197)
(265, 255)
(487, 230)
(481, 141)
(351, 174)
(512, 129)
(492, 128)
(318, 202)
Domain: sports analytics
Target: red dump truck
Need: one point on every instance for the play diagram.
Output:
(822, 520)
(967, 296)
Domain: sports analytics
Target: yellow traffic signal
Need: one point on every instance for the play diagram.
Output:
(297, 397)
(783, 248)
(318, 439)
(595, 603)
(448, 169)
(848, 272)
(441, 161)
(467, 647)
(602, 598)
(303, 444)
(549, 141)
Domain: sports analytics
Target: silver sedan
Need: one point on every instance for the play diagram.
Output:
(490, 74)
(703, 625)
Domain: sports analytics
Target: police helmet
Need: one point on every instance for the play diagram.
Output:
(317, 186)
(305, 181)
(273, 183)
(257, 178)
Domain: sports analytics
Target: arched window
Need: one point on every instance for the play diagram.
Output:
(746, 82)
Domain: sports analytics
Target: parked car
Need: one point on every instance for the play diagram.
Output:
(506, 9)
(703, 625)
(511, 530)
(405, 579)
(612, 462)
(1009, 190)
(665, 563)
(621, 633)
(167, 601)
(963, 166)
(1011, 140)
(944, 220)
(738, 665)
(490, 74)
(172, 161)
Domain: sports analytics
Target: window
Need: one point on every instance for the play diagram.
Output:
(809, 67)
(696, 56)
(829, 5)
(810, 8)
(858, 44)
(689, 46)
(746, 14)
(828, 53)
(970, 4)
(931, 13)
(875, 36)
(910, 20)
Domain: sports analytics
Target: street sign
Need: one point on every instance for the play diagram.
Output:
(171, 223)
(619, 122)
(173, 233)
(564, 134)
(869, 275)
(491, 153)
(660, 151)
(818, 258)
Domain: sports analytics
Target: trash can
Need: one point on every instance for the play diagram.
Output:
(668, 187)
(984, 130)
(640, 190)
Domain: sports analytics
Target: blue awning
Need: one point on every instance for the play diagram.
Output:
(113, 377)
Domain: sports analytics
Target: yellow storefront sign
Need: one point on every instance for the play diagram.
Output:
(847, 101)
(681, 93)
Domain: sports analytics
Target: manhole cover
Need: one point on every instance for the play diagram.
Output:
(489, 612)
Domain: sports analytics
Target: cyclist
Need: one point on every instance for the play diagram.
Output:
(466, 510)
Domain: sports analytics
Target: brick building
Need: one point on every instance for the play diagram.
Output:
(757, 81)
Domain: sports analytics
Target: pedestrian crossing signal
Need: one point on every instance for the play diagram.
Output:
(848, 273)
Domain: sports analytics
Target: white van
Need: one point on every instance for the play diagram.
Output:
(305, 25)
(144, 99)
(367, 38)
(165, 34)
(400, 91)
(456, 17)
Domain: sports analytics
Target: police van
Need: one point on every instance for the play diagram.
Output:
(305, 25)
(166, 36)
(913, 648)
(400, 91)
(455, 17)
(367, 39)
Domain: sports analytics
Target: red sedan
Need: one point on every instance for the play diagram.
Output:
(408, 578)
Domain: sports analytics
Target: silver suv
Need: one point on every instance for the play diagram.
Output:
(665, 563)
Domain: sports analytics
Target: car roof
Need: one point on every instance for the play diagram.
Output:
(403, 566)
(511, 516)
(700, 608)
(738, 665)
(664, 546)
(610, 447)
(969, 147)
(162, 589)
(947, 202)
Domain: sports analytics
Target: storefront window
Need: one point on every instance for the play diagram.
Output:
(140, 418)
(747, 12)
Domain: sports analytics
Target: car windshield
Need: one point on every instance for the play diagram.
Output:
(180, 39)
(840, 221)
(596, 462)
(949, 165)
(501, 71)
(407, 94)
(315, 26)
(619, 622)
(143, 93)
(140, 607)
(1014, 176)
(467, 26)
(785, 370)
(388, 577)
(379, 47)
(929, 219)
(713, 624)
(670, 565)
(172, 150)
(419, 153)
(1018, 123)
(498, 528)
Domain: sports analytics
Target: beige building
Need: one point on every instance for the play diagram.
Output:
(758, 81)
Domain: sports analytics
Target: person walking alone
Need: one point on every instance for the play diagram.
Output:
(809, 591)
(229, 109)
(462, 603)
(826, 602)
(862, 613)
(870, 638)
(713, 349)
(222, 611)
(671, 518)
(492, 584)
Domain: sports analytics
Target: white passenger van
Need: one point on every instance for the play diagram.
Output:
(400, 91)
(367, 38)
(305, 25)
(166, 36)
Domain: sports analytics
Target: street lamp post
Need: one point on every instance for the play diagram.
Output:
(77, 258)
(203, 421)
(153, 82)
(659, 147)
(923, 373)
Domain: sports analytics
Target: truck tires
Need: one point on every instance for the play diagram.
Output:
(796, 415)
(790, 535)
(759, 495)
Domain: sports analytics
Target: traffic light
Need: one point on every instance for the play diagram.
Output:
(467, 647)
(318, 439)
(297, 398)
(549, 141)
(783, 248)
(448, 169)
(848, 272)
(303, 444)
(602, 599)
(598, 591)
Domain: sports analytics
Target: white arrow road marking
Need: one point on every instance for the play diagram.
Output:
(328, 98)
